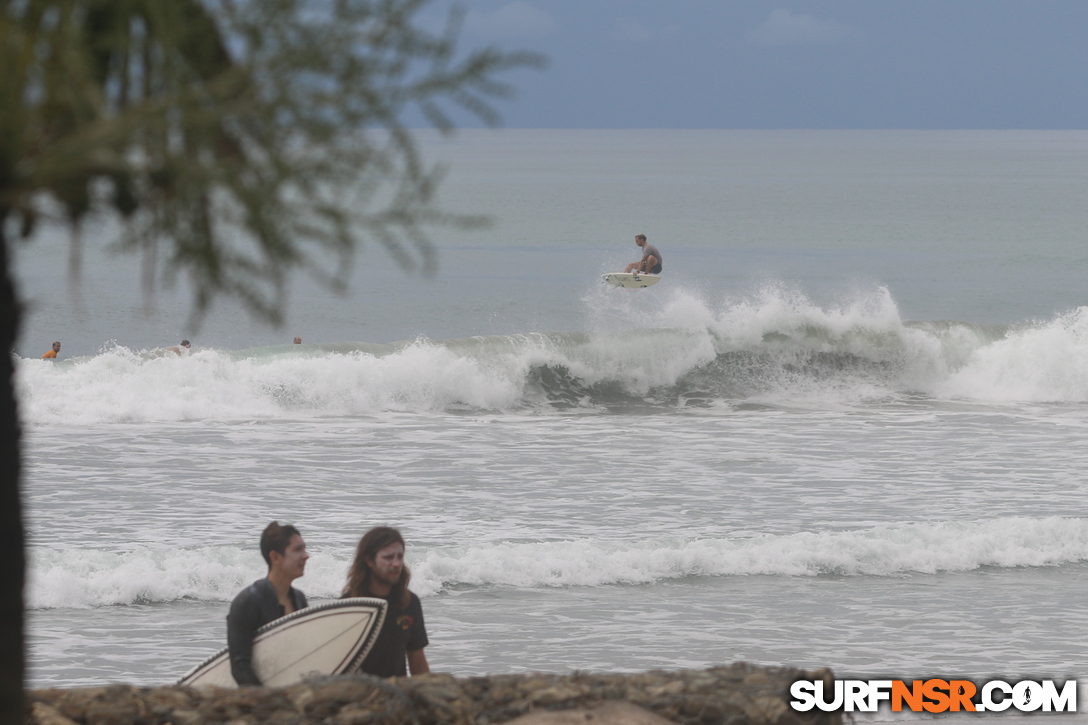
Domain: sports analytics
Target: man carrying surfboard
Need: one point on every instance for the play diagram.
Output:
(266, 599)
(651, 258)
(379, 571)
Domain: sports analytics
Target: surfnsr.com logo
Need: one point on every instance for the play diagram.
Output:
(934, 696)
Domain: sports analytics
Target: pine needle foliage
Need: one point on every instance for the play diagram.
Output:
(237, 140)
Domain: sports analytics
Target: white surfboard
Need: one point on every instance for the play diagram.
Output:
(631, 280)
(325, 639)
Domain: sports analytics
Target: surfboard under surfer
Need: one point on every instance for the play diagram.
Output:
(651, 258)
(266, 599)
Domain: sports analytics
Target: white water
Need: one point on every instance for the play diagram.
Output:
(78, 578)
(840, 432)
(791, 347)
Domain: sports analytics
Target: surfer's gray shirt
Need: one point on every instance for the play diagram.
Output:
(254, 607)
(648, 249)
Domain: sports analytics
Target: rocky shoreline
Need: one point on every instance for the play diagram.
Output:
(733, 695)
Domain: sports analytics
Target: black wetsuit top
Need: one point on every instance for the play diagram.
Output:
(254, 607)
(403, 631)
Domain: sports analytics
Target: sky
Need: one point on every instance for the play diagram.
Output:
(819, 64)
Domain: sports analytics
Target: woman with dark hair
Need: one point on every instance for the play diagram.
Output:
(379, 571)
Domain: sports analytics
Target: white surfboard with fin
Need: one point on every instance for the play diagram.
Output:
(631, 280)
(325, 639)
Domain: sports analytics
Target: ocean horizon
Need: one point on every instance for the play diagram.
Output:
(846, 429)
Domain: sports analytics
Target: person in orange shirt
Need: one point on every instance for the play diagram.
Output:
(52, 354)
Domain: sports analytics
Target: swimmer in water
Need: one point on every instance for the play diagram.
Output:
(182, 349)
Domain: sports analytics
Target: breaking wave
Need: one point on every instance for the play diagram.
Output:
(87, 578)
(774, 347)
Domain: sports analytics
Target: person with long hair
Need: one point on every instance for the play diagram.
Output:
(379, 571)
(266, 599)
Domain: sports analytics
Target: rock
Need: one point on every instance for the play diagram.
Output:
(670, 688)
(609, 713)
(186, 717)
(556, 694)
(42, 714)
(733, 695)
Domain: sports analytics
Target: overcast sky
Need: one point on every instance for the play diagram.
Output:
(921, 64)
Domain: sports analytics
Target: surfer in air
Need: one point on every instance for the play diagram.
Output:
(641, 274)
(651, 258)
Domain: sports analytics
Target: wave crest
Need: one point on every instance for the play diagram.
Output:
(82, 578)
(774, 347)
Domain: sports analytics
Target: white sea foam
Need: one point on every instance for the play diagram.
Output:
(123, 386)
(81, 578)
(1045, 361)
(774, 345)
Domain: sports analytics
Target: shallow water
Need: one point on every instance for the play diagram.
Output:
(845, 430)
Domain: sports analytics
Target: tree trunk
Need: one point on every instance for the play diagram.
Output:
(12, 557)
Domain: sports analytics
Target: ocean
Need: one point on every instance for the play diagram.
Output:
(846, 429)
